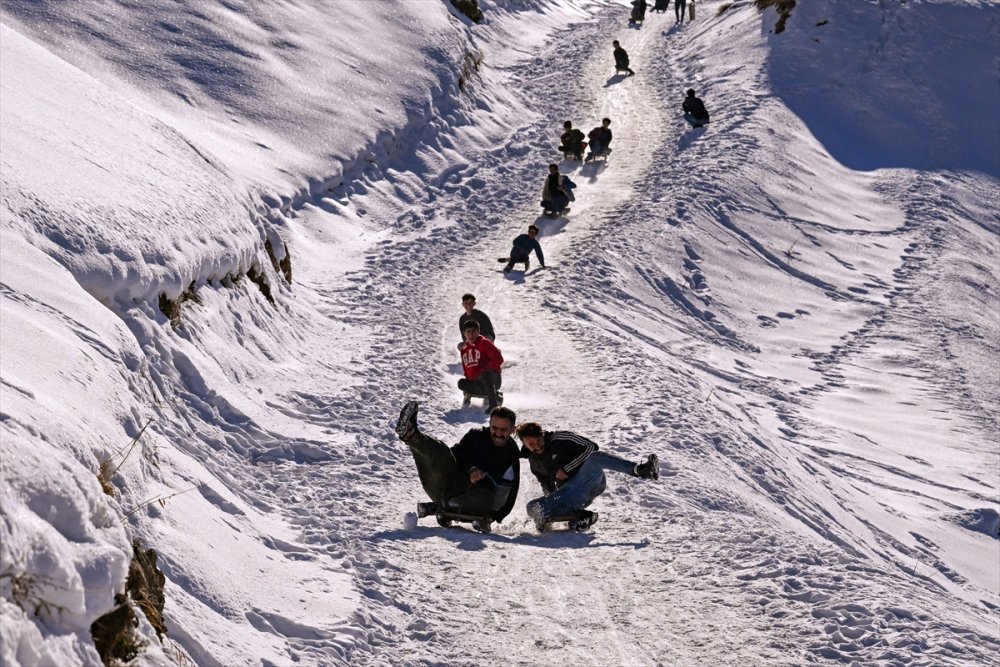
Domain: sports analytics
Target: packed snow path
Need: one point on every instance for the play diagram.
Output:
(688, 570)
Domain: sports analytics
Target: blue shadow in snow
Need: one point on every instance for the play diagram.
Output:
(909, 85)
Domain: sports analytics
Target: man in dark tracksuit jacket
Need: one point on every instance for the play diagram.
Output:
(570, 469)
(479, 476)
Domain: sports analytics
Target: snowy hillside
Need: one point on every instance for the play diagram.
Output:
(235, 238)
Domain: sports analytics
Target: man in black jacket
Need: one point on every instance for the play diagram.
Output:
(470, 314)
(571, 471)
(479, 476)
(571, 141)
(621, 59)
(600, 139)
(694, 110)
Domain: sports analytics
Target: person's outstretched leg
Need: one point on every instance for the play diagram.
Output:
(437, 469)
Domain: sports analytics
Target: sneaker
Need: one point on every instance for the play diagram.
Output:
(426, 509)
(648, 469)
(483, 526)
(443, 521)
(406, 425)
(499, 398)
(466, 400)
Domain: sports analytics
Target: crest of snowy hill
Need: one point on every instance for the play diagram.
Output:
(234, 235)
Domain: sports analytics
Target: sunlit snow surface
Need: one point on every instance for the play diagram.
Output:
(795, 308)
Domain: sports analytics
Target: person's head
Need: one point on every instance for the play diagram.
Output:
(606, 122)
(568, 125)
(690, 92)
(553, 169)
(615, 44)
(471, 330)
(502, 422)
(468, 302)
(533, 437)
(532, 231)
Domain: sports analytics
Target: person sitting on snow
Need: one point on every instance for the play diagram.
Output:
(600, 139)
(481, 362)
(472, 313)
(520, 251)
(557, 191)
(621, 59)
(479, 476)
(694, 110)
(571, 142)
(570, 469)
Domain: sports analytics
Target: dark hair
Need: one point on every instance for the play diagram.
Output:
(690, 92)
(468, 297)
(529, 429)
(568, 124)
(535, 227)
(607, 120)
(614, 43)
(471, 324)
(504, 413)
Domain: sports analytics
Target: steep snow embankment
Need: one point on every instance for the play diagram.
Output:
(134, 168)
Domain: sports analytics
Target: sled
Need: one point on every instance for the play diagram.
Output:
(467, 397)
(603, 155)
(526, 262)
(445, 518)
(574, 521)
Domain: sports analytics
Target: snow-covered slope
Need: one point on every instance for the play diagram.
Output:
(796, 310)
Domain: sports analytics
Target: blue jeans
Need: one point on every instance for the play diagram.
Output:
(588, 483)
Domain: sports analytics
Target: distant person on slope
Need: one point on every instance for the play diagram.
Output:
(694, 110)
(557, 191)
(661, 5)
(481, 362)
(571, 471)
(638, 14)
(521, 250)
(571, 142)
(621, 59)
(679, 6)
(478, 476)
(600, 139)
(471, 313)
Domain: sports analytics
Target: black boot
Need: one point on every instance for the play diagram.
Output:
(406, 425)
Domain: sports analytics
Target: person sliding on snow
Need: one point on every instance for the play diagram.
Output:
(521, 250)
(600, 139)
(472, 313)
(638, 14)
(694, 110)
(571, 471)
(571, 142)
(557, 192)
(479, 476)
(481, 362)
(621, 59)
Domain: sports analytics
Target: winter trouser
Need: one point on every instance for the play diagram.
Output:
(596, 148)
(581, 489)
(517, 257)
(557, 203)
(695, 122)
(485, 385)
(679, 6)
(445, 483)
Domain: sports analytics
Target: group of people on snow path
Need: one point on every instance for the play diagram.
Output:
(638, 13)
(480, 476)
